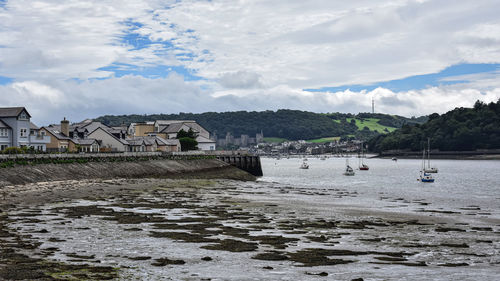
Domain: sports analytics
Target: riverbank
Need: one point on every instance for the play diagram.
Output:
(196, 168)
(441, 155)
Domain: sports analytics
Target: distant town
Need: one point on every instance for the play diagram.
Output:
(89, 136)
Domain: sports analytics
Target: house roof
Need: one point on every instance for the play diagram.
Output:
(56, 133)
(92, 126)
(172, 128)
(122, 141)
(136, 142)
(201, 139)
(168, 122)
(3, 125)
(121, 128)
(170, 141)
(12, 111)
(33, 126)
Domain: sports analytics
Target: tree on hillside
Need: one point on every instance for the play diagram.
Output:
(187, 140)
(460, 129)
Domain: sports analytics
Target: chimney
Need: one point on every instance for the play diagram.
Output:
(65, 127)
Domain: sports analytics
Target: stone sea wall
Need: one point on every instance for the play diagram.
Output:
(162, 168)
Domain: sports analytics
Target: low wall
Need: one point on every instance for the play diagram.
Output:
(161, 168)
(248, 163)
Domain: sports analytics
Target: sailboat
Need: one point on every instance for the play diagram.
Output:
(429, 169)
(349, 171)
(425, 177)
(362, 165)
(304, 165)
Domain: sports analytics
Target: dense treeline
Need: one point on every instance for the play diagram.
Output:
(458, 130)
(288, 124)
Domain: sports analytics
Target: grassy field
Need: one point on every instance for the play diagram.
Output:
(372, 124)
(322, 140)
(275, 140)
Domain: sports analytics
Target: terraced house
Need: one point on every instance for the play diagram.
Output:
(16, 130)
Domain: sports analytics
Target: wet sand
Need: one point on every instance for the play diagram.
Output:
(208, 229)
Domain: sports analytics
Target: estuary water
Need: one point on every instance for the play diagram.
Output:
(458, 184)
(292, 224)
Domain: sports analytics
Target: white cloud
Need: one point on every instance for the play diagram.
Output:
(50, 102)
(252, 55)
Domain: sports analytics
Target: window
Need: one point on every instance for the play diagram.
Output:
(2, 147)
(23, 116)
(4, 133)
(24, 132)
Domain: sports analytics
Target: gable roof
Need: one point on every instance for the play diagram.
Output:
(3, 125)
(33, 126)
(173, 128)
(12, 111)
(168, 142)
(56, 133)
(122, 141)
(92, 126)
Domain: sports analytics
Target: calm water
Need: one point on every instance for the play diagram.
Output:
(465, 198)
(458, 183)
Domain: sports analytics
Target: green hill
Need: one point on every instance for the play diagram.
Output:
(284, 124)
(460, 129)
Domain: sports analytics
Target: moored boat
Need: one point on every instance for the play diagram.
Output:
(424, 177)
(429, 169)
(362, 165)
(349, 171)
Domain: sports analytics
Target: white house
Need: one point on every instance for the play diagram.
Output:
(108, 142)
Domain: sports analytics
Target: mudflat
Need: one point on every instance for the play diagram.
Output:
(201, 229)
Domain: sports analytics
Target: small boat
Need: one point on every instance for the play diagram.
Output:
(322, 158)
(362, 165)
(429, 169)
(394, 159)
(349, 171)
(424, 177)
(304, 165)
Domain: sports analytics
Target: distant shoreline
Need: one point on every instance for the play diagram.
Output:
(442, 156)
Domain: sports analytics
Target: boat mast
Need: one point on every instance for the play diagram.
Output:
(423, 160)
(362, 153)
(429, 152)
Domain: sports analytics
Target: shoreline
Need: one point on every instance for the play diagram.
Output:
(442, 157)
(187, 169)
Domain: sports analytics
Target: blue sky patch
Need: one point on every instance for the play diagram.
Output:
(5, 80)
(419, 82)
(159, 71)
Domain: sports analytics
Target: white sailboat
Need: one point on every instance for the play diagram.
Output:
(429, 169)
(349, 171)
(362, 165)
(425, 177)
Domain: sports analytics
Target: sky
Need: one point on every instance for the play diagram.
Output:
(83, 58)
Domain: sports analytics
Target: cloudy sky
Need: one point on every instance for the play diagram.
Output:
(85, 58)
